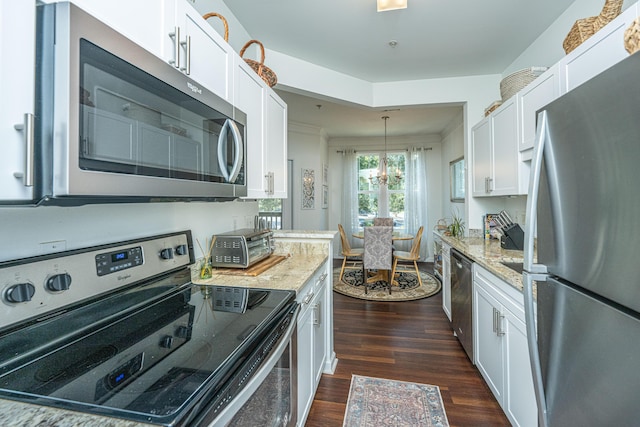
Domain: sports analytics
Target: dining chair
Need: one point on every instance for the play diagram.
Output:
(351, 255)
(413, 256)
(383, 221)
(378, 253)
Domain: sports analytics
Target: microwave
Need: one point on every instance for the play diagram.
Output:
(116, 122)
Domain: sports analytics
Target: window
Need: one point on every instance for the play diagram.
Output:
(270, 213)
(381, 200)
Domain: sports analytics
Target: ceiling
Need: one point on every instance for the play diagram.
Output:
(434, 39)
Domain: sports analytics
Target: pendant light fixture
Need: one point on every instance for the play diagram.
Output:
(384, 5)
(382, 178)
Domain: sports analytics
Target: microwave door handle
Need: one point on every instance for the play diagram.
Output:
(222, 145)
(237, 140)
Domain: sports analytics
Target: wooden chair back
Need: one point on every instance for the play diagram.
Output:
(415, 247)
(346, 246)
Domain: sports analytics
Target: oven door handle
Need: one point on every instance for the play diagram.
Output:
(256, 381)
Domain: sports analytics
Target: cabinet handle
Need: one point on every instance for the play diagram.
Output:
(494, 321)
(500, 332)
(175, 35)
(307, 299)
(27, 128)
(187, 47)
(322, 277)
(317, 314)
(271, 183)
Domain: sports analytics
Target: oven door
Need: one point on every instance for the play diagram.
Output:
(124, 123)
(270, 396)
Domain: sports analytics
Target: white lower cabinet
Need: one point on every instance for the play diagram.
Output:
(312, 339)
(501, 349)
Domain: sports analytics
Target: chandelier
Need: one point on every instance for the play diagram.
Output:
(383, 178)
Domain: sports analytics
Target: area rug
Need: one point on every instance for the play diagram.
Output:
(380, 402)
(408, 286)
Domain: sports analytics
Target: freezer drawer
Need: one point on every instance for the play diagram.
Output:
(590, 356)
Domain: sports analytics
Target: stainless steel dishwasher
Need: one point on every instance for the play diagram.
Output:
(461, 300)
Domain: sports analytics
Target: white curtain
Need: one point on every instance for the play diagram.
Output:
(415, 201)
(350, 193)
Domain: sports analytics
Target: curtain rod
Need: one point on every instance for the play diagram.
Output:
(405, 149)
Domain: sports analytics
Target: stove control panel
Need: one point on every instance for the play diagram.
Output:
(112, 262)
(37, 286)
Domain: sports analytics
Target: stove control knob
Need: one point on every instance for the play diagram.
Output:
(183, 332)
(181, 249)
(166, 253)
(22, 292)
(166, 342)
(59, 282)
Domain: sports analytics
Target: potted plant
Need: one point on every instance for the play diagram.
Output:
(456, 228)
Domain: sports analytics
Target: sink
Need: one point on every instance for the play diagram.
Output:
(515, 266)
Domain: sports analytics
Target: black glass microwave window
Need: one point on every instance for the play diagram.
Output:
(131, 122)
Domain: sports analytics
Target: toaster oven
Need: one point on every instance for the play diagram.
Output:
(241, 248)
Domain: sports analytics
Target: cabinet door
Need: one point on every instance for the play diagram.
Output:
(534, 96)
(138, 20)
(520, 401)
(192, 46)
(17, 48)
(276, 151)
(504, 167)
(249, 96)
(305, 362)
(481, 157)
(597, 53)
(488, 350)
(318, 337)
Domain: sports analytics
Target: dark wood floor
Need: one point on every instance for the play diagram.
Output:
(406, 341)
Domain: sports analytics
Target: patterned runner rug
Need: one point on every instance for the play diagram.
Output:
(379, 402)
(408, 288)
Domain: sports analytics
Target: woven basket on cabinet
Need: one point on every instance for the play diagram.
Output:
(263, 71)
(513, 83)
(224, 21)
(584, 28)
(632, 37)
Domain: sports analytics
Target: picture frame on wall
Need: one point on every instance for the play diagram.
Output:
(325, 196)
(325, 174)
(308, 189)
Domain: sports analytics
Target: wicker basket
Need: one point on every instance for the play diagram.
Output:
(492, 107)
(224, 21)
(263, 71)
(584, 28)
(632, 37)
(513, 83)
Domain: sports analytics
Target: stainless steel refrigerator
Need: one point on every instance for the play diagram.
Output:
(584, 196)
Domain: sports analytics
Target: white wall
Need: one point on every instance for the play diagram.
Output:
(23, 229)
(452, 149)
(308, 150)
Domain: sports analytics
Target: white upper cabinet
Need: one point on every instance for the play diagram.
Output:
(276, 150)
(194, 47)
(17, 74)
(495, 155)
(599, 52)
(534, 96)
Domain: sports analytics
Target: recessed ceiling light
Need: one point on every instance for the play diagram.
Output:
(384, 5)
(393, 43)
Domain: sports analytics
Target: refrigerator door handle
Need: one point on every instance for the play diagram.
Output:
(532, 199)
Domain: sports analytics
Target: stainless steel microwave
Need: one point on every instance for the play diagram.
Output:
(113, 121)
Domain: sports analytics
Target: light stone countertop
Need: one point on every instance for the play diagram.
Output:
(489, 255)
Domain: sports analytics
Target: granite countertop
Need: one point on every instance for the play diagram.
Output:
(489, 255)
(290, 274)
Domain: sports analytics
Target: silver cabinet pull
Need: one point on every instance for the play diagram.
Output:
(175, 35)
(494, 320)
(27, 128)
(317, 314)
(307, 299)
(187, 47)
(489, 185)
(499, 331)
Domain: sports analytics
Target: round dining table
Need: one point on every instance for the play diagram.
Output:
(384, 274)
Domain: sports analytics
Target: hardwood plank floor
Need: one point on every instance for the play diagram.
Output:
(406, 341)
